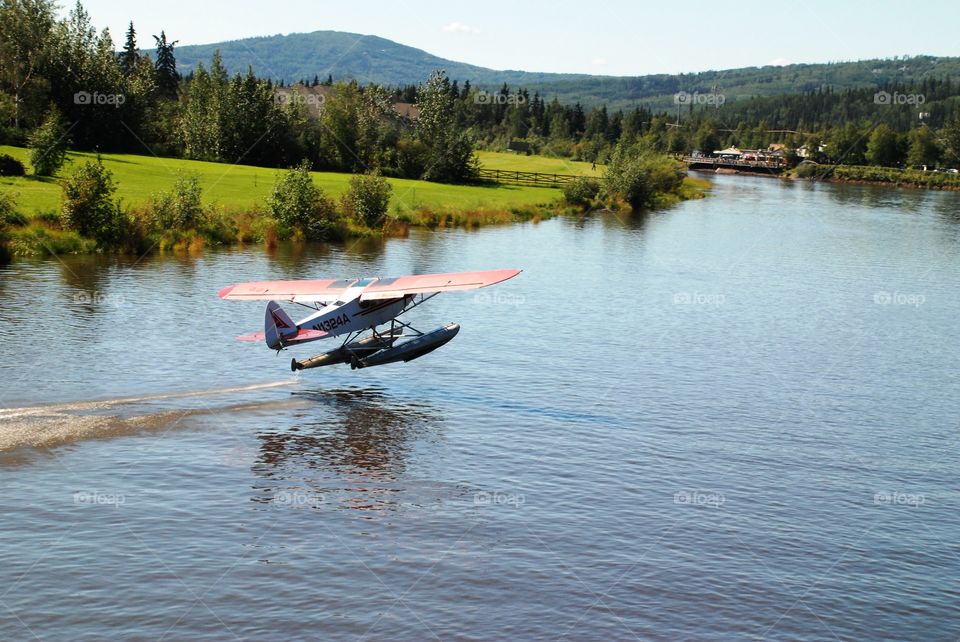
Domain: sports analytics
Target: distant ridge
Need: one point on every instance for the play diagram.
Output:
(371, 59)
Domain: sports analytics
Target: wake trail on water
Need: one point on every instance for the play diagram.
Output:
(56, 424)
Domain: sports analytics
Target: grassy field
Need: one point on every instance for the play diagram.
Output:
(240, 193)
(241, 186)
(518, 163)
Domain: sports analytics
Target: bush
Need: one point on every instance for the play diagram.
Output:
(48, 145)
(640, 176)
(10, 166)
(39, 240)
(179, 208)
(298, 204)
(581, 191)
(412, 157)
(918, 178)
(50, 218)
(8, 205)
(8, 208)
(808, 169)
(367, 200)
(88, 205)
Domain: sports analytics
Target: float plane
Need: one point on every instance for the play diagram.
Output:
(355, 309)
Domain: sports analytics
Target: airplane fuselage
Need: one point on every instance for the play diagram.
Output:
(354, 315)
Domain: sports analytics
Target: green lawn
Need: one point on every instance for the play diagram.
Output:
(241, 186)
(518, 162)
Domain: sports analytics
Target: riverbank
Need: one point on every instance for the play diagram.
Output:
(235, 196)
(882, 176)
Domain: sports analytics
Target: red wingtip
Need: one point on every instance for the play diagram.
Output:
(225, 291)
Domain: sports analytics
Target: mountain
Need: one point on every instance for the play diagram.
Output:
(366, 58)
(370, 59)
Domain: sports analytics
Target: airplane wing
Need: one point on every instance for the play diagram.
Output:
(391, 288)
(307, 291)
(328, 290)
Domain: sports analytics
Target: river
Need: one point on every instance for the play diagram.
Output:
(733, 419)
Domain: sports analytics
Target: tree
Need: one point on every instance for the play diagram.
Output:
(581, 191)
(199, 122)
(166, 67)
(25, 28)
(87, 84)
(130, 55)
(451, 152)
(596, 122)
(883, 147)
(677, 141)
(252, 123)
(923, 148)
(367, 199)
(88, 205)
(180, 208)
(639, 176)
(299, 204)
(48, 144)
(846, 145)
(706, 139)
(951, 141)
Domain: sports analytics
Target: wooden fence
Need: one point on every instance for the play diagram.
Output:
(535, 179)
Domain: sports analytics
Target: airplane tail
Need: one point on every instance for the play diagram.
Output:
(278, 327)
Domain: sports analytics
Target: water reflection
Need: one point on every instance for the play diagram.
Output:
(610, 219)
(364, 430)
(946, 206)
(289, 258)
(878, 196)
(86, 274)
(350, 448)
(366, 249)
(636, 221)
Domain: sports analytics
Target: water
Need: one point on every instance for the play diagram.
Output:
(733, 419)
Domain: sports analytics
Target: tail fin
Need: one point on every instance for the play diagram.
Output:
(277, 326)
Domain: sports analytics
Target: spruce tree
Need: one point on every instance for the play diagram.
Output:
(131, 54)
(166, 67)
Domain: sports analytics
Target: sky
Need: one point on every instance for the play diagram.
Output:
(614, 37)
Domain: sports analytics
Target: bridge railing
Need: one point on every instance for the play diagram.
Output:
(736, 162)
